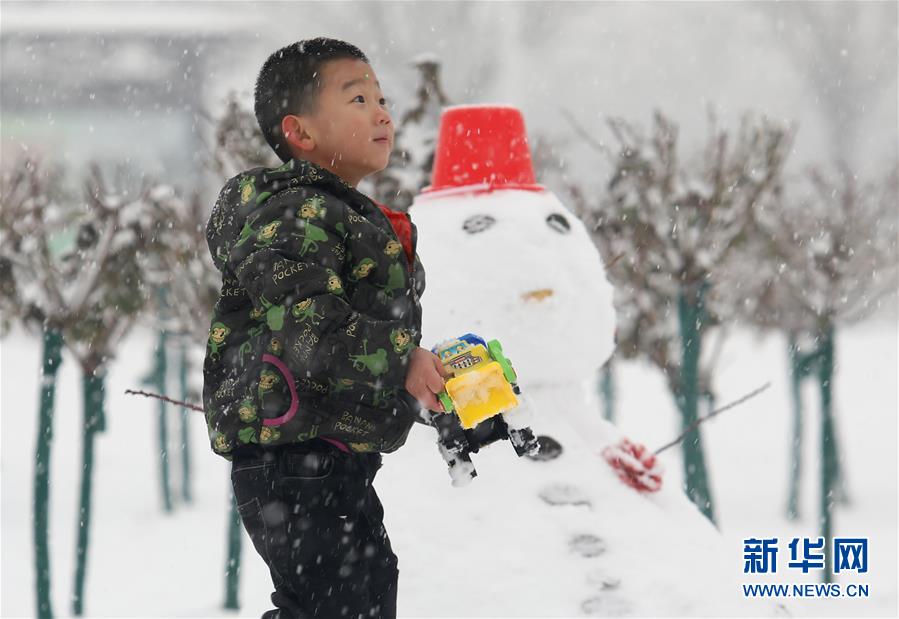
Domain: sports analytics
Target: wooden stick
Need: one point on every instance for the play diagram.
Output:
(193, 407)
(696, 423)
(692, 427)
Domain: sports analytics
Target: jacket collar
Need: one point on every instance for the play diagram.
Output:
(302, 172)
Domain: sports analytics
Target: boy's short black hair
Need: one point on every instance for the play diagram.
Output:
(289, 82)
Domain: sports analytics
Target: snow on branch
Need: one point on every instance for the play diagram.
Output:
(83, 265)
(238, 143)
(826, 255)
(673, 216)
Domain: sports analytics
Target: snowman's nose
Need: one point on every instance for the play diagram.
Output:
(537, 295)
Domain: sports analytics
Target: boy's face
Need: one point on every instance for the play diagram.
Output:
(351, 132)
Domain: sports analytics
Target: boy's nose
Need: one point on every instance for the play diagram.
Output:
(383, 117)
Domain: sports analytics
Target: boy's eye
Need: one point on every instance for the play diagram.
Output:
(383, 101)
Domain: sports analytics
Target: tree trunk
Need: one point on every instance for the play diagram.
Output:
(160, 372)
(840, 486)
(94, 421)
(607, 390)
(797, 372)
(690, 316)
(185, 413)
(52, 345)
(804, 365)
(232, 568)
(828, 452)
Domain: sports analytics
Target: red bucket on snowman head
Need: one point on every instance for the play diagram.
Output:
(482, 148)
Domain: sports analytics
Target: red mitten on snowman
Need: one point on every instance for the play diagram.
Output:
(635, 465)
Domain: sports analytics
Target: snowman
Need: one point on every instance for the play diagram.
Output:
(519, 268)
(541, 536)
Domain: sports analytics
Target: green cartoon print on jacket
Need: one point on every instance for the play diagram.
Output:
(275, 347)
(265, 235)
(246, 346)
(247, 411)
(313, 207)
(247, 185)
(221, 444)
(247, 435)
(312, 235)
(268, 435)
(339, 386)
(274, 314)
(395, 281)
(247, 231)
(217, 335)
(305, 310)
(375, 363)
(284, 167)
(393, 249)
(335, 286)
(267, 381)
(362, 269)
(401, 340)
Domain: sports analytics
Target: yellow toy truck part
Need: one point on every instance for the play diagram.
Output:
(480, 394)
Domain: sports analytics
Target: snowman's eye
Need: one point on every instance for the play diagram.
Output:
(558, 223)
(478, 223)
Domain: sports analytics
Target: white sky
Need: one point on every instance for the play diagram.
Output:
(594, 59)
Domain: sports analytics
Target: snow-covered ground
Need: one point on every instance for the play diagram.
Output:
(453, 560)
(748, 450)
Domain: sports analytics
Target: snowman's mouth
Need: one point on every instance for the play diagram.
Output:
(537, 295)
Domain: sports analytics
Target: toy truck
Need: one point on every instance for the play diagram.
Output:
(482, 404)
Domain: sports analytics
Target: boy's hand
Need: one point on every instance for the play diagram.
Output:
(424, 378)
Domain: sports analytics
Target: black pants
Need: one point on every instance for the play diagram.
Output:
(315, 519)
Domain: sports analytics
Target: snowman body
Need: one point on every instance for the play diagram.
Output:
(517, 266)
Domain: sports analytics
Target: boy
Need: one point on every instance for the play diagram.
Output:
(312, 365)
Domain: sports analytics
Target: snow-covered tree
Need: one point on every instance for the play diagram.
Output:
(824, 258)
(30, 214)
(75, 269)
(237, 143)
(186, 269)
(664, 224)
(826, 252)
(186, 285)
(116, 235)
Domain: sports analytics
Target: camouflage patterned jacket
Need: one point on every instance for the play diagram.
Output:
(318, 312)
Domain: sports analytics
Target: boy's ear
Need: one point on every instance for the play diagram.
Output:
(296, 134)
